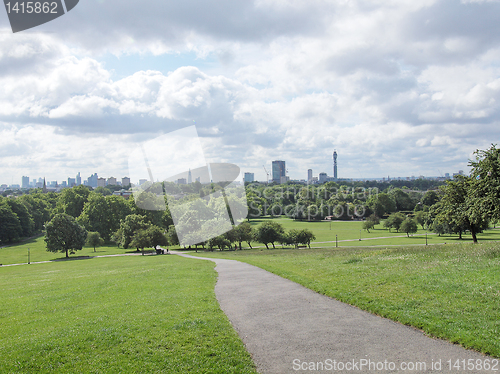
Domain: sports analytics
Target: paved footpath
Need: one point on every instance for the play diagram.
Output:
(288, 328)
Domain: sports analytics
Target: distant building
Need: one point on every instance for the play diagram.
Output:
(92, 180)
(309, 175)
(279, 171)
(25, 182)
(63, 184)
(78, 179)
(181, 181)
(124, 193)
(249, 177)
(101, 182)
(335, 164)
(142, 181)
(322, 177)
(125, 181)
(190, 178)
(111, 181)
(71, 182)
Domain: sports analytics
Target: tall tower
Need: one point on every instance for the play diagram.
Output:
(335, 164)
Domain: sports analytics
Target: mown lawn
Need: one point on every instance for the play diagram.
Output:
(140, 314)
(449, 291)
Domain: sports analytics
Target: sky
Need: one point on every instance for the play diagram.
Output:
(397, 87)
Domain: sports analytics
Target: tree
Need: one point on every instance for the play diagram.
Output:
(10, 227)
(381, 204)
(269, 232)
(461, 208)
(244, 233)
(156, 236)
(483, 200)
(128, 227)
(72, 200)
(24, 216)
(64, 234)
(305, 236)
(103, 214)
(409, 226)
(368, 225)
(94, 239)
(421, 218)
(394, 221)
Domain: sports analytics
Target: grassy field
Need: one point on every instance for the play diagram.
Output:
(18, 254)
(349, 232)
(151, 314)
(449, 291)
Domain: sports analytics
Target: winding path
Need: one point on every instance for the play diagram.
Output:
(288, 328)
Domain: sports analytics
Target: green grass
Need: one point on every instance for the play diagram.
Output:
(349, 232)
(151, 314)
(449, 291)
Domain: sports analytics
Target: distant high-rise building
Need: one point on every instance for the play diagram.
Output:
(142, 181)
(78, 179)
(92, 180)
(309, 175)
(25, 182)
(101, 182)
(335, 164)
(249, 177)
(279, 171)
(71, 182)
(125, 181)
(111, 181)
(190, 178)
(181, 181)
(322, 177)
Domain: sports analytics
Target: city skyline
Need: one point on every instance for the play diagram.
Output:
(398, 88)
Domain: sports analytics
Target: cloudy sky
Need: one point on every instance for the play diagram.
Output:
(397, 87)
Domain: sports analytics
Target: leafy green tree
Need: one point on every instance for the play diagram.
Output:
(460, 208)
(172, 235)
(305, 236)
(421, 218)
(394, 221)
(368, 225)
(64, 234)
(269, 232)
(409, 226)
(38, 208)
(244, 233)
(483, 199)
(128, 227)
(156, 236)
(402, 200)
(381, 204)
(430, 198)
(72, 200)
(103, 191)
(140, 239)
(24, 216)
(94, 239)
(10, 227)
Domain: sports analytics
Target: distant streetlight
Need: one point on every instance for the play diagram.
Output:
(425, 238)
(359, 235)
(336, 241)
(29, 257)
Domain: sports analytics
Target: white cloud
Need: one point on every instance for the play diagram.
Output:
(387, 83)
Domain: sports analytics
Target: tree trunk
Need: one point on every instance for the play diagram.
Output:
(94, 248)
(460, 235)
(249, 245)
(473, 233)
(273, 245)
(266, 246)
(67, 254)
